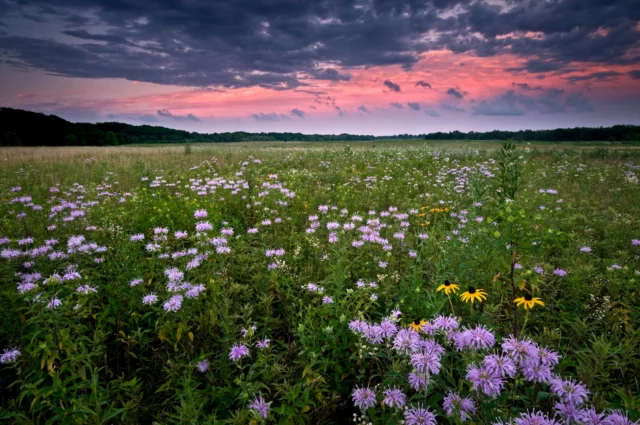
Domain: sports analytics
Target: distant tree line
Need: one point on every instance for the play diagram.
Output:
(25, 128)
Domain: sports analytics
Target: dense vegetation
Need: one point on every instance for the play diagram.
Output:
(241, 286)
(24, 128)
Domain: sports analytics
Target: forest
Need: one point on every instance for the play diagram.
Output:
(26, 128)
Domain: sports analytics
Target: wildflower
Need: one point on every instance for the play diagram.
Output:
(417, 324)
(9, 355)
(135, 282)
(54, 303)
(535, 418)
(484, 380)
(448, 287)
(203, 366)
(473, 294)
(519, 350)
(263, 343)
(502, 365)
(327, 300)
(446, 323)
(260, 406)
(635, 242)
(538, 270)
(149, 299)
(585, 249)
(405, 340)
(534, 370)
(560, 272)
(528, 301)
(419, 416)
(388, 328)
(618, 418)
(590, 417)
(203, 226)
(364, 398)
(569, 391)
(238, 351)
(456, 405)
(394, 397)
(567, 411)
(478, 338)
(200, 214)
(173, 304)
(418, 381)
(85, 289)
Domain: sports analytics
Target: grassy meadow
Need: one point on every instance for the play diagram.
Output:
(399, 282)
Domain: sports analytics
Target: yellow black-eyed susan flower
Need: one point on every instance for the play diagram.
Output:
(473, 294)
(448, 287)
(417, 324)
(528, 302)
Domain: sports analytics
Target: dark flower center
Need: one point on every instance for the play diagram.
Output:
(416, 322)
(447, 283)
(528, 297)
(471, 290)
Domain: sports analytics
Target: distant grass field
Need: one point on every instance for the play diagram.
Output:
(320, 283)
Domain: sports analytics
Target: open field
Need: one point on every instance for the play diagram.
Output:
(304, 283)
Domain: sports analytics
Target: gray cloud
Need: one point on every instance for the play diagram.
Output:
(392, 86)
(451, 108)
(635, 74)
(330, 74)
(397, 105)
(414, 105)
(297, 113)
(364, 109)
(165, 113)
(528, 87)
(598, 76)
(423, 84)
(455, 93)
(272, 116)
(432, 113)
(341, 112)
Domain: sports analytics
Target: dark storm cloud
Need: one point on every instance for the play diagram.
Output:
(268, 43)
(364, 109)
(330, 74)
(423, 84)
(414, 105)
(508, 104)
(598, 76)
(397, 105)
(165, 113)
(635, 74)
(455, 93)
(297, 113)
(392, 86)
(579, 102)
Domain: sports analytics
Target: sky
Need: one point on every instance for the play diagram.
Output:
(376, 67)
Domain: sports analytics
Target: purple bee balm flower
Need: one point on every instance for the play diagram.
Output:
(54, 303)
(560, 272)
(456, 405)
(479, 338)
(519, 350)
(618, 418)
(418, 381)
(426, 362)
(173, 304)
(589, 416)
(327, 300)
(569, 391)
(200, 214)
(373, 334)
(149, 299)
(135, 282)
(585, 249)
(393, 397)
(389, 329)
(567, 411)
(203, 366)
(446, 323)
(501, 365)
(419, 416)
(534, 370)
(364, 398)
(203, 226)
(535, 418)
(405, 340)
(9, 355)
(635, 242)
(485, 381)
(260, 406)
(548, 357)
(264, 343)
(238, 351)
